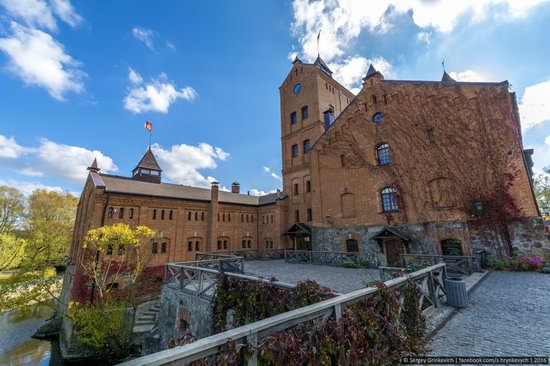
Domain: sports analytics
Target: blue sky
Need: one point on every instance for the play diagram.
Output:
(78, 79)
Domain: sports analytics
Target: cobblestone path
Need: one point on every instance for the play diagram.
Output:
(509, 315)
(338, 279)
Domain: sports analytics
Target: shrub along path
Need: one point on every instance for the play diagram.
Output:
(509, 315)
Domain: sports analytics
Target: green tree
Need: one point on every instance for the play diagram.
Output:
(11, 251)
(12, 208)
(542, 192)
(49, 227)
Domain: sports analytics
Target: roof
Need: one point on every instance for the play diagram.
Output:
(148, 161)
(125, 185)
(447, 77)
(388, 232)
(323, 66)
(298, 229)
(270, 198)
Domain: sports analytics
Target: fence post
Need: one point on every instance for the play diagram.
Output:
(403, 261)
(470, 268)
(431, 289)
(181, 278)
(252, 340)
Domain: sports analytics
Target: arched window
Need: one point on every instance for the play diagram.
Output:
(383, 154)
(389, 199)
(347, 201)
(451, 247)
(352, 246)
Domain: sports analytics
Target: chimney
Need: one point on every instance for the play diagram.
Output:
(235, 187)
(212, 228)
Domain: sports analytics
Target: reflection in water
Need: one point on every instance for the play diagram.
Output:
(17, 348)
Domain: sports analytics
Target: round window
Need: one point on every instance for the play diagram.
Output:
(297, 88)
(377, 118)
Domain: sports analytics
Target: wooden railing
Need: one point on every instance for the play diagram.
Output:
(455, 263)
(201, 277)
(320, 257)
(429, 280)
(260, 254)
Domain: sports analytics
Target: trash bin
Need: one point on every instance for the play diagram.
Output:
(456, 292)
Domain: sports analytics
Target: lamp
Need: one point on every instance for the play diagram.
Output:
(478, 205)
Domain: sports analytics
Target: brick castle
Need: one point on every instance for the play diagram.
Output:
(397, 168)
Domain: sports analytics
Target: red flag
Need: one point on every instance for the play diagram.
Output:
(148, 126)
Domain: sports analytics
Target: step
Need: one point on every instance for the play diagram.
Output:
(146, 328)
(148, 317)
(150, 313)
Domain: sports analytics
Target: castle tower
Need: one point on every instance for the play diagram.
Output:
(310, 101)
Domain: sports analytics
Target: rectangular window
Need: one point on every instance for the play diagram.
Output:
(294, 151)
(154, 214)
(249, 243)
(197, 245)
(242, 218)
(308, 186)
(297, 216)
(196, 216)
(189, 216)
(163, 248)
(295, 189)
(309, 215)
(307, 146)
(162, 215)
(225, 244)
(121, 213)
(219, 244)
(202, 216)
(111, 213)
(247, 218)
(229, 217)
(305, 112)
(293, 118)
(131, 214)
(252, 217)
(431, 138)
(171, 215)
(189, 246)
(244, 243)
(343, 160)
(272, 219)
(223, 216)
(155, 248)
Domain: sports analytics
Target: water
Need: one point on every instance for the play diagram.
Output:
(17, 348)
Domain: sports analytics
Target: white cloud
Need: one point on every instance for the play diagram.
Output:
(40, 13)
(28, 187)
(342, 21)
(181, 163)
(38, 59)
(351, 71)
(9, 148)
(534, 106)
(272, 173)
(145, 35)
(64, 10)
(257, 192)
(34, 13)
(425, 37)
(157, 95)
(134, 76)
(69, 162)
(468, 75)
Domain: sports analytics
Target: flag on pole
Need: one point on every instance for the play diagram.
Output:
(148, 126)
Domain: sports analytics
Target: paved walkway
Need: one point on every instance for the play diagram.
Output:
(338, 279)
(509, 315)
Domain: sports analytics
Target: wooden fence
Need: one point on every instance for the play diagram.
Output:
(259, 254)
(319, 257)
(455, 264)
(201, 277)
(429, 280)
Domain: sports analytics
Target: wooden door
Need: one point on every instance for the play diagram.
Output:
(394, 247)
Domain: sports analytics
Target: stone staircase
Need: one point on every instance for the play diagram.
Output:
(147, 319)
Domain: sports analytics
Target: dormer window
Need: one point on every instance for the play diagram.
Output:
(148, 169)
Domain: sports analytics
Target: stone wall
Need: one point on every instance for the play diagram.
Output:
(527, 236)
(182, 312)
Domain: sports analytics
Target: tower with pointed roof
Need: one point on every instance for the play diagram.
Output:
(148, 169)
(310, 101)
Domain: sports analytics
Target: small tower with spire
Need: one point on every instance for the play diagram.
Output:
(148, 169)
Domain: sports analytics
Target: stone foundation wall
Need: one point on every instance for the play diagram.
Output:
(527, 236)
(181, 313)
